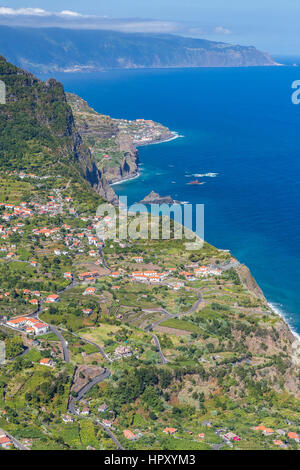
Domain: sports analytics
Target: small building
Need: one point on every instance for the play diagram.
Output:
(52, 298)
(268, 432)
(5, 442)
(107, 423)
(47, 362)
(123, 351)
(170, 431)
(90, 291)
(230, 436)
(68, 275)
(129, 435)
(67, 419)
(278, 442)
(103, 408)
(87, 311)
(115, 274)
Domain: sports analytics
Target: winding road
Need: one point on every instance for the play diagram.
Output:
(168, 316)
(64, 343)
(85, 389)
(100, 349)
(158, 346)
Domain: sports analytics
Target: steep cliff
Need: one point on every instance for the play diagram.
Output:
(113, 141)
(38, 133)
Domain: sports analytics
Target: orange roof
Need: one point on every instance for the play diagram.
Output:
(40, 325)
(293, 435)
(17, 320)
(5, 440)
(170, 430)
(128, 434)
(45, 361)
(278, 443)
(260, 428)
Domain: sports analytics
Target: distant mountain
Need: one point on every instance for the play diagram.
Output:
(55, 49)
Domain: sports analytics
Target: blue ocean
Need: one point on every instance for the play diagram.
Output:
(239, 124)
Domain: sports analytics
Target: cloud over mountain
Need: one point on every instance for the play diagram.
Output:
(38, 17)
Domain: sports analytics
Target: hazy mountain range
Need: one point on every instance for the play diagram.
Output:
(56, 49)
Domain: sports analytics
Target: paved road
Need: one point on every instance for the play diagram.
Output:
(157, 343)
(103, 259)
(85, 389)
(53, 328)
(168, 316)
(96, 380)
(113, 437)
(100, 349)
(82, 393)
(63, 342)
(193, 309)
(26, 351)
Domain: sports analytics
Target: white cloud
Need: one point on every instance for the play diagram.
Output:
(71, 13)
(222, 30)
(23, 11)
(38, 17)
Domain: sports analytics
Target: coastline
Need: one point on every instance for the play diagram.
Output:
(126, 178)
(173, 136)
(282, 315)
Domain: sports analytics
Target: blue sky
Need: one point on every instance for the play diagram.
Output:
(271, 25)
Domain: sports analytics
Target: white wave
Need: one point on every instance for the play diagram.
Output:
(277, 309)
(207, 175)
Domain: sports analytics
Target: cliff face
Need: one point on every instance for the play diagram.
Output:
(45, 139)
(110, 140)
(249, 282)
(49, 49)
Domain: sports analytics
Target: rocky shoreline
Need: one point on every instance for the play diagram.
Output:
(113, 142)
(136, 174)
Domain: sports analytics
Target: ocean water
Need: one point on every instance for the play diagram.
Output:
(238, 123)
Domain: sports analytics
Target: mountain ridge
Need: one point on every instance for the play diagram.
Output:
(39, 118)
(46, 50)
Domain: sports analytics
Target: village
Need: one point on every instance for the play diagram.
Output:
(72, 298)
